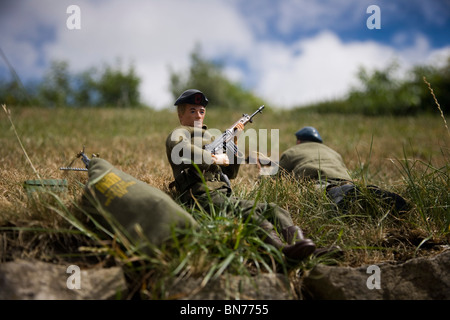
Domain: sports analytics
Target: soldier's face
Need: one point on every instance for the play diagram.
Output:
(193, 116)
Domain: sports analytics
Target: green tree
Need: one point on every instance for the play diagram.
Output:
(209, 78)
(118, 89)
(12, 93)
(382, 93)
(91, 88)
(55, 90)
(84, 93)
(439, 79)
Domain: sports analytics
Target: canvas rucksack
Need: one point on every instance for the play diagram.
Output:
(133, 202)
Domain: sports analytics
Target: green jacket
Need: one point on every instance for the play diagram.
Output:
(184, 146)
(314, 160)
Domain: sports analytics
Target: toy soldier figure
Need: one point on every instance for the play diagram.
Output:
(311, 159)
(185, 146)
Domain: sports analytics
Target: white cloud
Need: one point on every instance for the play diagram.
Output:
(323, 67)
(313, 69)
(153, 35)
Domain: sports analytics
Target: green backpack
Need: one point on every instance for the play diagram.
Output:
(139, 208)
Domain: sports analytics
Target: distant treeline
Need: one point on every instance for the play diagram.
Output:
(60, 88)
(112, 86)
(380, 92)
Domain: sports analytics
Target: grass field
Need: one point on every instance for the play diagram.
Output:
(407, 155)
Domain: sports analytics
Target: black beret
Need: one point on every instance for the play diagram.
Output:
(192, 96)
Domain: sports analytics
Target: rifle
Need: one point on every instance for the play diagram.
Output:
(85, 160)
(224, 142)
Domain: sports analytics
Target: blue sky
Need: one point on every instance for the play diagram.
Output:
(290, 52)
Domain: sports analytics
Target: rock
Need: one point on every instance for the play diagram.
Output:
(36, 280)
(263, 287)
(416, 279)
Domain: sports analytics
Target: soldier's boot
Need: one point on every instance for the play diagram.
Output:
(298, 247)
(297, 251)
(294, 233)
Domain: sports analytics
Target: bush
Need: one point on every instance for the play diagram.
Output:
(111, 87)
(208, 77)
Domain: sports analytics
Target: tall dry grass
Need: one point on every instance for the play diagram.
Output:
(407, 155)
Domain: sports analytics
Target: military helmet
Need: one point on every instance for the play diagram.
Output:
(192, 96)
(309, 134)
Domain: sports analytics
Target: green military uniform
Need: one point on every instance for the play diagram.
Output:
(315, 161)
(186, 153)
(189, 184)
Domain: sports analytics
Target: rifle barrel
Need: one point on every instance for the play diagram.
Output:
(257, 111)
(73, 169)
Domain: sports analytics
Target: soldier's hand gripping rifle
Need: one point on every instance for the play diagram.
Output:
(225, 142)
(85, 160)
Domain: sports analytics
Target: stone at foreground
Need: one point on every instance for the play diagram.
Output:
(263, 287)
(37, 280)
(416, 279)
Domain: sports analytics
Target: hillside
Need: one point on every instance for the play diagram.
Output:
(407, 155)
